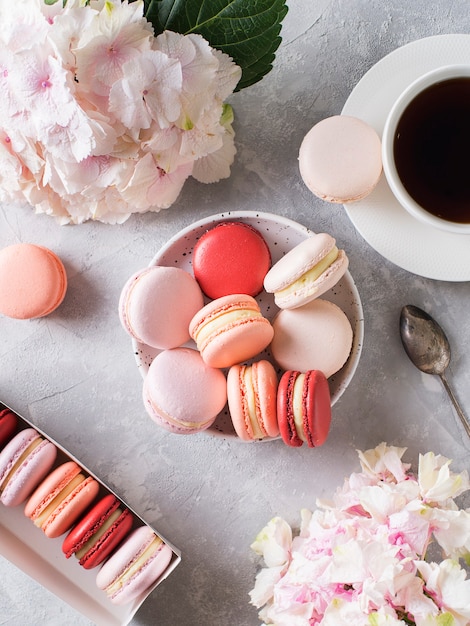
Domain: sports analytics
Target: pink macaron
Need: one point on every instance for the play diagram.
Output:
(135, 566)
(33, 281)
(316, 336)
(306, 272)
(157, 304)
(251, 391)
(230, 330)
(182, 393)
(340, 159)
(24, 462)
(61, 498)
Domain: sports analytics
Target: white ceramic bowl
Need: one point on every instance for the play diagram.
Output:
(407, 202)
(281, 234)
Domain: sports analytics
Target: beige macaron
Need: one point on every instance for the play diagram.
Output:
(340, 159)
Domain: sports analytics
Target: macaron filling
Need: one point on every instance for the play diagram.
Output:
(178, 423)
(311, 275)
(250, 404)
(223, 319)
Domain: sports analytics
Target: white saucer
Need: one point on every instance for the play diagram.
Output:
(379, 218)
(281, 234)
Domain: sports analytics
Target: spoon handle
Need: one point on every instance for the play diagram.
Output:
(457, 407)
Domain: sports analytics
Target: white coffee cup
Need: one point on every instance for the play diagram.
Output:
(441, 76)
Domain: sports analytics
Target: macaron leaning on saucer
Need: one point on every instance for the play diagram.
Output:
(61, 498)
(251, 391)
(98, 533)
(24, 462)
(304, 408)
(306, 272)
(340, 159)
(135, 566)
(33, 281)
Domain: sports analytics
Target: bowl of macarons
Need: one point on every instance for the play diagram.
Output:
(245, 325)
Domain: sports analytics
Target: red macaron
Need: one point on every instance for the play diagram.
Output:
(304, 408)
(8, 426)
(98, 533)
(232, 257)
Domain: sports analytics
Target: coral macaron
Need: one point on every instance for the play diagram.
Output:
(157, 304)
(304, 408)
(230, 330)
(232, 257)
(98, 533)
(60, 499)
(33, 281)
(183, 394)
(306, 272)
(251, 391)
(24, 462)
(134, 567)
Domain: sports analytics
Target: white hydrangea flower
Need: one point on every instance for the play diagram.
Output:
(359, 558)
(99, 119)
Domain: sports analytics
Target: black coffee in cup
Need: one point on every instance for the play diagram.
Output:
(431, 149)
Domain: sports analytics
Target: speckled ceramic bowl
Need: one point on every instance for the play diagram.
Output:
(281, 234)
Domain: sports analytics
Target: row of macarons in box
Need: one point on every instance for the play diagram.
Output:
(65, 501)
(215, 306)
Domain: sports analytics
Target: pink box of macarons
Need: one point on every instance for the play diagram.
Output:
(65, 528)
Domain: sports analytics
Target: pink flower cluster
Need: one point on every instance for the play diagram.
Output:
(99, 119)
(360, 560)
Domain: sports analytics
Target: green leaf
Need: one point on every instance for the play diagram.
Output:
(246, 30)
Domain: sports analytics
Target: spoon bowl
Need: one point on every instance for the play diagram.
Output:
(428, 349)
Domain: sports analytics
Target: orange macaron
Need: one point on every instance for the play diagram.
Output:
(33, 281)
(230, 330)
(61, 498)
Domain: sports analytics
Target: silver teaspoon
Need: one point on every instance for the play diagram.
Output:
(428, 348)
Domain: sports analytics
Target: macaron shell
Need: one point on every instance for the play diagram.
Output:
(340, 159)
(39, 284)
(182, 393)
(316, 336)
(8, 426)
(232, 257)
(285, 413)
(262, 394)
(71, 508)
(157, 304)
(317, 408)
(31, 471)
